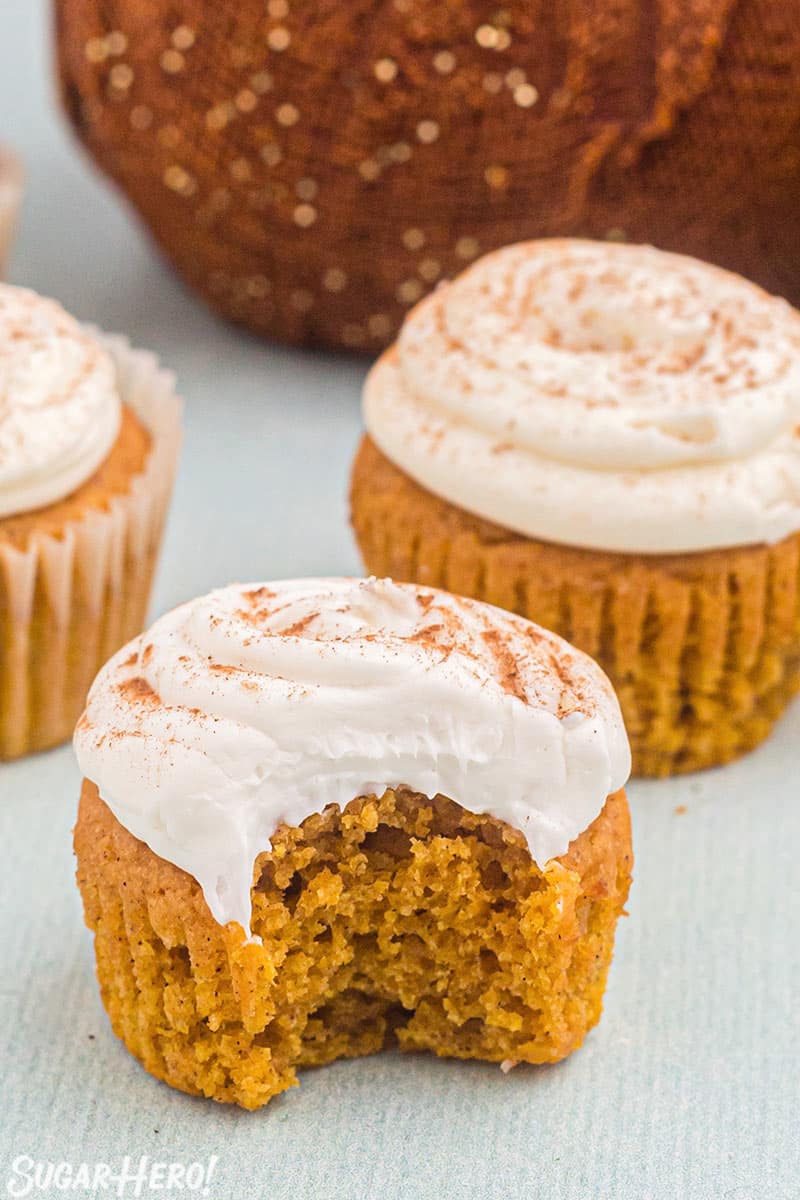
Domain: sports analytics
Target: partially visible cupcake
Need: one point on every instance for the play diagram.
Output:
(11, 190)
(327, 815)
(89, 438)
(606, 439)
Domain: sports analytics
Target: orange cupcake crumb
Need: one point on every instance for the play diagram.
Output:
(401, 920)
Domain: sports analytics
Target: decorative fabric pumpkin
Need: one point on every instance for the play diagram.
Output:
(312, 167)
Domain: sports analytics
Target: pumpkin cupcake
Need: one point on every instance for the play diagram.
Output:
(606, 439)
(89, 434)
(324, 816)
(11, 189)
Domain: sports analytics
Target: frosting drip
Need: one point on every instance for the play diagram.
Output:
(257, 705)
(59, 404)
(601, 395)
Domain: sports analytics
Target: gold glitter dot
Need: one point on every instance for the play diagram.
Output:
(353, 335)
(492, 82)
(258, 286)
(304, 215)
(246, 100)
(240, 170)
(301, 299)
(444, 62)
(278, 9)
(409, 291)
(334, 280)
(616, 235)
(141, 117)
(271, 154)
(169, 136)
(430, 269)
(379, 325)
(278, 38)
(561, 98)
(400, 152)
(183, 37)
(179, 180)
(496, 177)
(172, 61)
(306, 189)
(515, 77)
(413, 239)
(369, 169)
(503, 39)
(287, 114)
(525, 95)
(121, 77)
(96, 50)
(219, 116)
(486, 36)
(385, 70)
(116, 42)
(261, 82)
(467, 247)
(427, 132)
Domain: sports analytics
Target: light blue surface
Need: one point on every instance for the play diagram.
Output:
(688, 1089)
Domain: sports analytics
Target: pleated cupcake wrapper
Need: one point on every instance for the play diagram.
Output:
(211, 1013)
(704, 651)
(11, 192)
(74, 599)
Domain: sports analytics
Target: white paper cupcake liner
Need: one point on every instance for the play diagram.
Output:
(68, 602)
(11, 192)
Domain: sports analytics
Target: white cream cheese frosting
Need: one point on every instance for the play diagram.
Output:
(261, 704)
(600, 395)
(60, 409)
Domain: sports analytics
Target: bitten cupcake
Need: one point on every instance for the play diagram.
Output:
(89, 436)
(605, 439)
(11, 189)
(323, 816)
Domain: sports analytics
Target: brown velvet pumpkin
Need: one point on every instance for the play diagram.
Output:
(312, 167)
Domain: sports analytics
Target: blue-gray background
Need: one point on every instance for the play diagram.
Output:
(689, 1088)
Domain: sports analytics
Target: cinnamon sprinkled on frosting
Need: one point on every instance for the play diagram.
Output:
(138, 691)
(601, 395)
(251, 707)
(59, 404)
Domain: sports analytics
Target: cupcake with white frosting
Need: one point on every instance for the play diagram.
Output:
(11, 192)
(322, 816)
(89, 437)
(605, 439)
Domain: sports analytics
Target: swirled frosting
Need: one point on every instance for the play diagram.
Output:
(600, 395)
(257, 705)
(59, 403)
